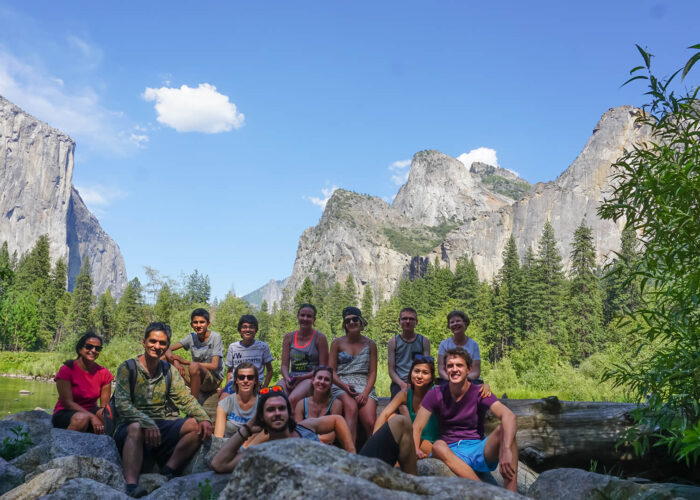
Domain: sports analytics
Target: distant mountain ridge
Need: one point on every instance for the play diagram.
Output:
(446, 210)
(37, 197)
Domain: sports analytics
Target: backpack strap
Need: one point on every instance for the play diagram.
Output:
(131, 365)
(165, 366)
(195, 339)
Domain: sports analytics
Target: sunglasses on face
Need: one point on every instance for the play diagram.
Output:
(90, 347)
(245, 377)
(353, 319)
(274, 388)
(428, 359)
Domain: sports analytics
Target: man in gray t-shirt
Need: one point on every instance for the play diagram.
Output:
(206, 370)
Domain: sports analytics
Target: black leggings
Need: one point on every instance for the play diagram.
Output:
(382, 445)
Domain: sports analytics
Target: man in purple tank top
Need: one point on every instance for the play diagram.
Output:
(460, 412)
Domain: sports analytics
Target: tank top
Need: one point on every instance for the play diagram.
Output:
(306, 433)
(306, 407)
(303, 359)
(405, 351)
(431, 431)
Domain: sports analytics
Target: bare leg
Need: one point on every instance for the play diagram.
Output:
(402, 430)
(443, 452)
(403, 410)
(132, 453)
(195, 378)
(350, 414)
(79, 421)
(368, 415)
(492, 449)
(300, 391)
(186, 446)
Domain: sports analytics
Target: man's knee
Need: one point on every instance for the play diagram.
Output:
(134, 431)
(194, 368)
(400, 425)
(440, 449)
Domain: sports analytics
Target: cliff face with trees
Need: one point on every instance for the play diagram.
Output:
(37, 198)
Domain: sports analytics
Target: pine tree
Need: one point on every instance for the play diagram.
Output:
(34, 270)
(510, 277)
(163, 310)
(81, 308)
(197, 288)
(439, 282)
(51, 318)
(622, 291)
(527, 292)
(263, 321)
(350, 292)
(6, 272)
(105, 315)
(130, 321)
(336, 303)
(549, 289)
(19, 320)
(304, 295)
(465, 286)
(585, 303)
(368, 302)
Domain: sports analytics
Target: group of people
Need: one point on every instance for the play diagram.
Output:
(323, 394)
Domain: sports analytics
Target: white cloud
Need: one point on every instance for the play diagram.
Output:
(90, 55)
(400, 175)
(139, 140)
(98, 196)
(483, 155)
(200, 109)
(77, 112)
(321, 202)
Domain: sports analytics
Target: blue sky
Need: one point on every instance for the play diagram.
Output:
(206, 132)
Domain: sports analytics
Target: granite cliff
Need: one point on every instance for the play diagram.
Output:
(447, 210)
(37, 197)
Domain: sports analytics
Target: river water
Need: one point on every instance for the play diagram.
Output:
(43, 395)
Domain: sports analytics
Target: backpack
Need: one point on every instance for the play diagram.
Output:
(111, 416)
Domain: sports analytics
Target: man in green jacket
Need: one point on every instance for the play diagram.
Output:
(145, 424)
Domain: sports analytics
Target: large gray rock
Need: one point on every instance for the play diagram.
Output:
(526, 478)
(151, 482)
(98, 469)
(84, 488)
(50, 480)
(296, 468)
(434, 467)
(10, 476)
(577, 484)
(37, 198)
(187, 487)
(201, 460)
(36, 421)
(63, 443)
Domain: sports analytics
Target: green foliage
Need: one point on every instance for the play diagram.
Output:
(305, 294)
(197, 288)
(367, 306)
(82, 300)
(205, 491)
(420, 240)
(350, 292)
(657, 193)
(12, 447)
(512, 188)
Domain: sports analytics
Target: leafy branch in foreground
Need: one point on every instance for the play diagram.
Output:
(658, 195)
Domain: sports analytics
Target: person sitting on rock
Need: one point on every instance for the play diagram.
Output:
(460, 412)
(302, 351)
(392, 443)
(206, 370)
(458, 322)
(321, 402)
(80, 382)
(237, 409)
(144, 424)
(250, 350)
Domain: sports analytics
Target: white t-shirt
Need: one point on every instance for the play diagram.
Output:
(257, 353)
(471, 347)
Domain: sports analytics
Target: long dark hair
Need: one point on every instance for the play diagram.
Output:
(80, 344)
(313, 376)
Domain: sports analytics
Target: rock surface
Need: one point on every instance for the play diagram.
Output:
(577, 484)
(38, 422)
(296, 468)
(10, 476)
(78, 488)
(448, 211)
(201, 460)
(37, 197)
(189, 487)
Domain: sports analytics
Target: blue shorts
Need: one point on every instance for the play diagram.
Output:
(471, 452)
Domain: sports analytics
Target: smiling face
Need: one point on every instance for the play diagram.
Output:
(155, 344)
(322, 382)
(275, 414)
(91, 350)
(352, 324)
(248, 331)
(456, 325)
(245, 380)
(306, 318)
(457, 369)
(200, 325)
(421, 375)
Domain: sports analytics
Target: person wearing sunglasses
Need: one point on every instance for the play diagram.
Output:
(321, 402)
(274, 417)
(302, 351)
(353, 358)
(80, 382)
(237, 409)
